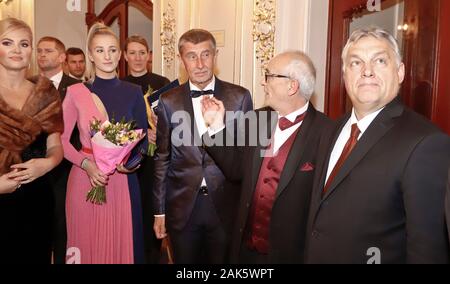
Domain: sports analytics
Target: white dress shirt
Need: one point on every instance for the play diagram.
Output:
(56, 79)
(363, 124)
(281, 136)
(197, 106)
(82, 79)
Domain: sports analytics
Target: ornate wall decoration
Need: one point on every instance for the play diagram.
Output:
(168, 35)
(6, 1)
(264, 30)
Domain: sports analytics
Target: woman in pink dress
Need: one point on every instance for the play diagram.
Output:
(111, 232)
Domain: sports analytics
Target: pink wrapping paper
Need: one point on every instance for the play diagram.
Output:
(107, 155)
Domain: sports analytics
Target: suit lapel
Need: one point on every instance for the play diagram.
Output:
(62, 87)
(296, 152)
(189, 108)
(377, 129)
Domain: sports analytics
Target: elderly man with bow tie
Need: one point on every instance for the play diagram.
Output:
(277, 176)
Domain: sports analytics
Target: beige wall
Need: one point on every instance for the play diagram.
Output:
(300, 24)
(316, 46)
(53, 19)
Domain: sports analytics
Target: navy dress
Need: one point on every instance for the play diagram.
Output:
(124, 100)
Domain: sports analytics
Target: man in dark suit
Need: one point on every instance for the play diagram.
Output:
(276, 189)
(75, 64)
(190, 197)
(50, 57)
(380, 195)
(447, 205)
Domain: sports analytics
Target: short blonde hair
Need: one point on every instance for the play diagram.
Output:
(13, 24)
(96, 29)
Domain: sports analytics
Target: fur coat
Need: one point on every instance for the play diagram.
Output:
(42, 112)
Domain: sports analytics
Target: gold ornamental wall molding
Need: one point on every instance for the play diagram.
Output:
(264, 30)
(168, 35)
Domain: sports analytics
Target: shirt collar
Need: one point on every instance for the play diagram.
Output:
(293, 115)
(57, 78)
(73, 76)
(210, 86)
(365, 122)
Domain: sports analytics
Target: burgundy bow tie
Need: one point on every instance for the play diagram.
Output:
(285, 123)
(196, 94)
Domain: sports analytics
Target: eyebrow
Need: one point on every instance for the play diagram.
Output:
(374, 55)
(99, 46)
(22, 40)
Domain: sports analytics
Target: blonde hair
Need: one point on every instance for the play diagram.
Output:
(13, 24)
(96, 29)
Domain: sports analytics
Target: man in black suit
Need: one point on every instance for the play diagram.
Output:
(76, 63)
(137, 55)
(380, 195)
(190, 197)
(50, 57)
(276, 189)
(447, 205)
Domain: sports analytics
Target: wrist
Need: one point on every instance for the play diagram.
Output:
(84, 164)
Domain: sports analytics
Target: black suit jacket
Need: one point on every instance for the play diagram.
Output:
(388, 195)
(288, 221)
(179, 169)
(447, 205)
(58, 177)
(66, 81)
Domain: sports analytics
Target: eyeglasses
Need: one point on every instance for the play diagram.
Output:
(268, 75)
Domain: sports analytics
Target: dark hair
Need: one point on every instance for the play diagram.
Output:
(58, 44)
(196, 36)
(138, 39)
(74, 51)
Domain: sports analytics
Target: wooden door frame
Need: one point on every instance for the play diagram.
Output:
(441, 105)
(118, 9)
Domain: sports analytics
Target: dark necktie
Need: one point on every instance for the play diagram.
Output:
(196, 94)
(285, 123)
(351, 142)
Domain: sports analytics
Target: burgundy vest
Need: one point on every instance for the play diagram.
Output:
(258, 225)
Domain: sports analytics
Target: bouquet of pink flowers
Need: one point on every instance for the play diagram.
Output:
(112, 143)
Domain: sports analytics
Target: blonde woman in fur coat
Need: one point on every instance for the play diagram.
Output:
(30, 146)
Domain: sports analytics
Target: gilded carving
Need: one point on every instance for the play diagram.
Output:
(264, 30)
